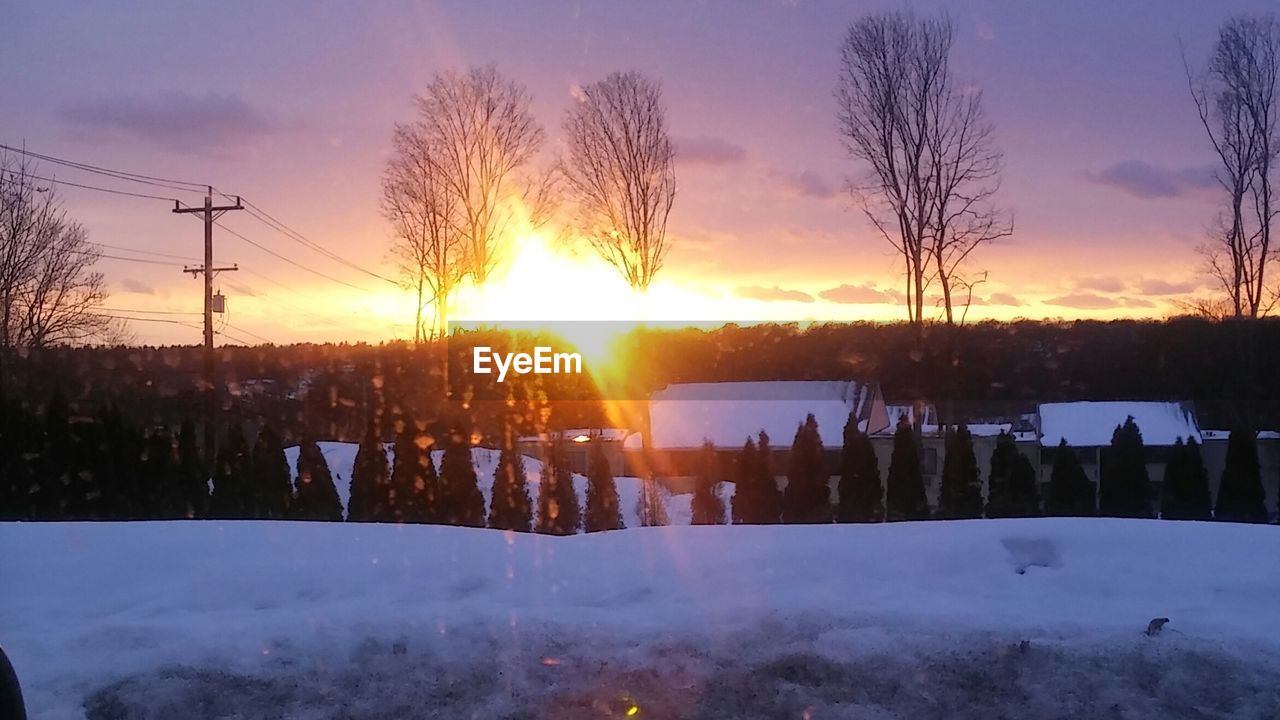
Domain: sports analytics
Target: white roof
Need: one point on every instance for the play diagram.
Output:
(1225, 434)
(683, 416)
(1090, 424)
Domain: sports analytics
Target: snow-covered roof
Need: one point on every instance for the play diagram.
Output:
(1090, 424)
(1226, 434)
(684, 415)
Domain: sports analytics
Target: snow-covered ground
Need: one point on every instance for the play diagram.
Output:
(341, 458)
(1014, 618)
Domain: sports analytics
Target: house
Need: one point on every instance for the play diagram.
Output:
(931, 440)
(682, 417)
(1088, 426)
(578, 444)
(1214, 452)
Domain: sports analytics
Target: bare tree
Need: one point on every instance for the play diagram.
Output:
(428, 246)
(1236, 98)
(620, 172)
(48, 289)
(483, 136)
(931, 167)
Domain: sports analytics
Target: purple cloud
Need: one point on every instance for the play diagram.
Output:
(1004, 299)
(1164, 287)
(1100, 284)
(174, 121)
(807, 184)
(708, 151)
(1145, 180)
(867, 294)
(772, 294)
(137, 286)
(1083, 301)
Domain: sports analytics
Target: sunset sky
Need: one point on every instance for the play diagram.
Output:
(292, 104)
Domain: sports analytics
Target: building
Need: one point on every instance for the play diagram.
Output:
(1214, 451)
(682, 417)
(932, 444)
(578, 443)
(1088, 426)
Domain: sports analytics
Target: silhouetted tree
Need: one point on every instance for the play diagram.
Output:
(603, 512)
(160, 482)
(756, 499)
(1125, 485)
(1012, 490)
(620, 172)
(931, 165)
(707, 505)
(414, 487)
(1185, 495)
(462, 502)
(53, 469)
(15, 443)
(741, 509)
(961, 493)
(315, 497)
(510, 507)
(557, 500)
(861, 492)
(904, 494)
(192, 476)
(1071, 492)
(232, 496)
(116, 457)
(272, 480)
(1240, 494)
(370, 498)
(807, 497)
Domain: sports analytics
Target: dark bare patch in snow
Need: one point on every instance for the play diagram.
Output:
(770, 670)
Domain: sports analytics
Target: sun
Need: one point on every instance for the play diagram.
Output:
(545, 281)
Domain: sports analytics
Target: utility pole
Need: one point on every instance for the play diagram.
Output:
(210, 213)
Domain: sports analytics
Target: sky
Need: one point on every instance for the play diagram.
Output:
(292, 104)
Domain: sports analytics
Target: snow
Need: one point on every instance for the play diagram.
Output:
(277, 619)
(341, 458)
(1091, 424)
(684, 415)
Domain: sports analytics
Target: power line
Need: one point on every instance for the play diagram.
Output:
(249, 333)
(118, 174)
(95, 187)
(184, 186)
(144, 319)
(270, 221)
(295, 263)
(142, 252)
(142, 261)
(151, 312)
(235, 338)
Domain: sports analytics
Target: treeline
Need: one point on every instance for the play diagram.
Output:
(1012, 489)
(975, 370)
(56, 465)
